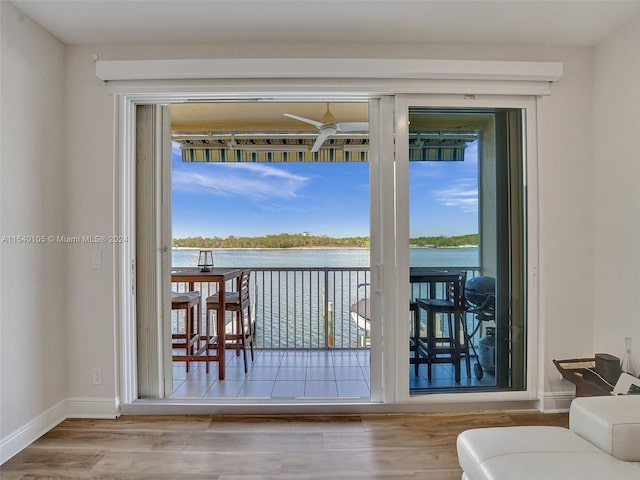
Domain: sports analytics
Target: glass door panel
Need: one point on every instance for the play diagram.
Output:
(281, 189)
(466, 249)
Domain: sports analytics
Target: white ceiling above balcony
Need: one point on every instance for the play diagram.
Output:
(515, 22)
(238, 117)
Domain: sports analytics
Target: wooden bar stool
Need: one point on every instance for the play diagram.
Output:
(190, 336)
(241, 333)
(453, 346)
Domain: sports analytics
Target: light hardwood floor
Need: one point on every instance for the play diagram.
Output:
(390, 447)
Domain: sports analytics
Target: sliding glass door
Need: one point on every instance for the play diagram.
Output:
(280, 188)
(462, 210)
(446, 178)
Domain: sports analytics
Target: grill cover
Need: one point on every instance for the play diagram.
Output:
(477, 290)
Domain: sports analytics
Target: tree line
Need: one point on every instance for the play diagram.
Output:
(443, 241)
(302, 240)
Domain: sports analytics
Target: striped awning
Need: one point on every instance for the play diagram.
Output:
(299, 150)
(275, 150)
(437, 151)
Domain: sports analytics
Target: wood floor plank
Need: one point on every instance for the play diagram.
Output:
(111, 476)
(140, 422)
(240, 442)
(107, 439)
(409, 462)
(336, 475)
(454, 422)
(62, 460)
(388, 439)
(205, 464)
(280, 424)
(536, 418)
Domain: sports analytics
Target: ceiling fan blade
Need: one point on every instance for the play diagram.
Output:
(322, 136)
(352, 126)
(303, 119)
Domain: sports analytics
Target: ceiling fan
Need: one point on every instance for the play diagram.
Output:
(328, 126)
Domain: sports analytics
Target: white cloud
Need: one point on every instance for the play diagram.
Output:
(462, 195)
(251, 180)
(176, 150)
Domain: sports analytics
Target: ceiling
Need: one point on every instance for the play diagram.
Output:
(260, 131)
(259, 116)
(262, 125)
(517, 22)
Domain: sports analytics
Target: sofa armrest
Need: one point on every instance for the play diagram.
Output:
(612, 423)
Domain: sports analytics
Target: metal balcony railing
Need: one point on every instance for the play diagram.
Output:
(311, 308)
(308, 308)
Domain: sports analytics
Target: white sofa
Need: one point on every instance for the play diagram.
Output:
(602, 442)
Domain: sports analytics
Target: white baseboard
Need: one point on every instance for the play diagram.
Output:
(557, 402)
(33, 430)
(77, 407)
(91, 407)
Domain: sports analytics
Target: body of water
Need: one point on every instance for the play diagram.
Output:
(324, 257)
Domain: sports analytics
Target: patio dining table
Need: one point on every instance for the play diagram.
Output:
(219, 276)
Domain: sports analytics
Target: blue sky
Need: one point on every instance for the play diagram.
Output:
(255, 199)
(443, 196)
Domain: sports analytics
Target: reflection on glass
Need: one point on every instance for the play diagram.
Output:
(466, 217)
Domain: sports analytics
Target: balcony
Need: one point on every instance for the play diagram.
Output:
(309, 342)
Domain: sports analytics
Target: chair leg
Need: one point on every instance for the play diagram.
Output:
(431, 344)
(240, 338)
(196, 319)
(243, 340)
(454, 332)
(240, 331)
(188, 318)
(465, 336)
(416, 339)
(244, 358)
(250, 326)
(207, 338)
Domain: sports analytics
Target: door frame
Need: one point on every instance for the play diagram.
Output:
(451, 81)
(127, 225)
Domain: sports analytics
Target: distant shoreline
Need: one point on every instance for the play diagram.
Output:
(452, 246)
(310, 248)
(271, 248)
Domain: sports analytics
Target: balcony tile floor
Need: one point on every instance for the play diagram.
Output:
(301, 374)
(279, 374)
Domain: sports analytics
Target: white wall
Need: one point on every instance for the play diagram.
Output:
(565, 220)
(565, 190)
(91, 189)
(616, 188)
(33, 293)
